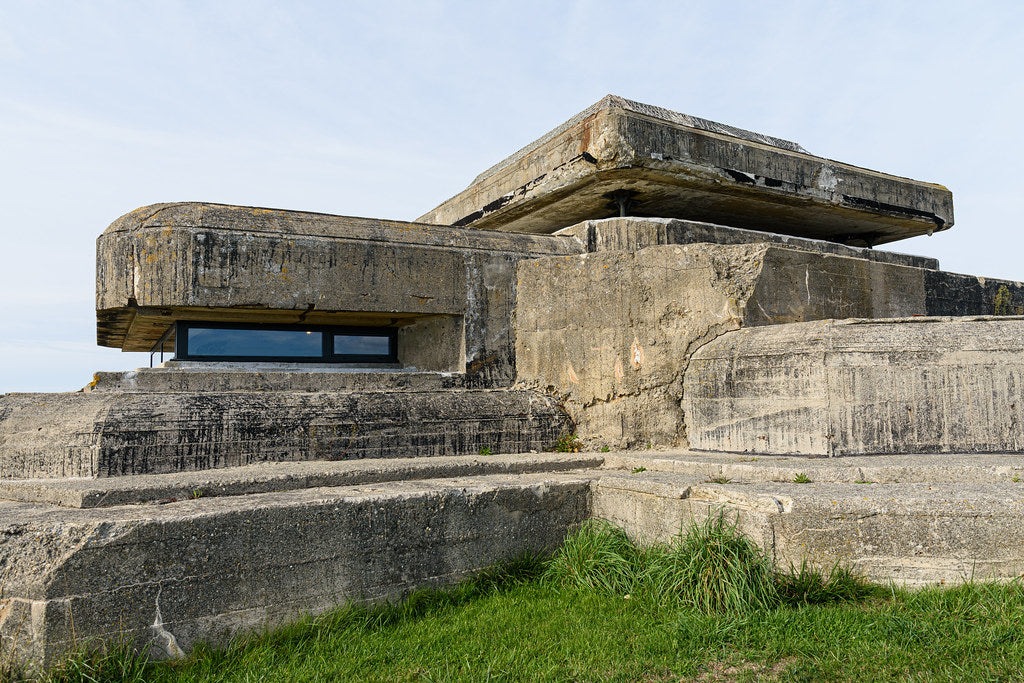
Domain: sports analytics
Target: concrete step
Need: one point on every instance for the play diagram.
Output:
(278, 476)
(881, 469)
(913, 533)
(166, 577)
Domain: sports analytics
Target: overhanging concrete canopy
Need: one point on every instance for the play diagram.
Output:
(670, 165)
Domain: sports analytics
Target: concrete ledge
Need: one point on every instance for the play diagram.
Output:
(917, 385)
(914, 534)
(182, 376)
(942, 468)
(277, 476)
(208, 569)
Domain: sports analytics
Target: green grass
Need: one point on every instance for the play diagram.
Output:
(705, 607)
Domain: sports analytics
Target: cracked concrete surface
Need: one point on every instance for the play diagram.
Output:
(581, 321)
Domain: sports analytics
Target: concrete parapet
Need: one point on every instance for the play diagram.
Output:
(111, 433)
(917, 385)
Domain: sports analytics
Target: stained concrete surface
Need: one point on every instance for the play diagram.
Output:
(847, 387)
(609, 334)
(111, 433)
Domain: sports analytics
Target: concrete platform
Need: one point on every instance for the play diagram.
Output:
(167, 561)
(916, 521)
(672, 165)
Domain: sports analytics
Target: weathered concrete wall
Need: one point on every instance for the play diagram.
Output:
(957, 294)
(213, 262)
(919, 385)
(945, 293)
(610, 333)
(112, 433)
(674, 165)
(208, 569)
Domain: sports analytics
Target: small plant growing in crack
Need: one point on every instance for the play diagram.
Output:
(863, 481)
(801, 478)
(485, 450)
(569, 443)
(719, 480)
(1015, 478)
(605, 449)
(638, 470)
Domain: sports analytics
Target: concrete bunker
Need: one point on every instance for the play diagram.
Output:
(323, 432)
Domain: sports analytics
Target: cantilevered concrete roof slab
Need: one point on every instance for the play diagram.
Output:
(621, 157)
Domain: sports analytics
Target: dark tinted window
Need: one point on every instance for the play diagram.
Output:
(205, 341)
(306, 343)
(362, 345)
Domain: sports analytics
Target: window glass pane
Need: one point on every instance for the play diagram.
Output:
(362, 345)
(208, 341)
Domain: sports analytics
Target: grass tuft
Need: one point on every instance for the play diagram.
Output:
(712, 567)
(599, 556)
(116, 663)
(808, 586)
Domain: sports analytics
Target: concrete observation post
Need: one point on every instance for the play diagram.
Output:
(346, 409)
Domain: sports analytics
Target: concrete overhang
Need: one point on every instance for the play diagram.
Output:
(671, 165)
(213, 262)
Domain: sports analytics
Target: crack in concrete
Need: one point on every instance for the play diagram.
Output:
(163, 638)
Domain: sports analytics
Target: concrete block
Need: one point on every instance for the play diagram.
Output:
(610, 333)
(111, 433)
(206, 570)
(671, 165)
(631, 234)
(913, 534)
(917, 385)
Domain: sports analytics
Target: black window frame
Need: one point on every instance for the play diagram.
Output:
(328, 333)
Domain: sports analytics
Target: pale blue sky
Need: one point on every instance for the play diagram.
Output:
(386, 109)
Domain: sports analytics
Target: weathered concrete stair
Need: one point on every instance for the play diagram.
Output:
(915, 520)
(204, 556)
(104, 559)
